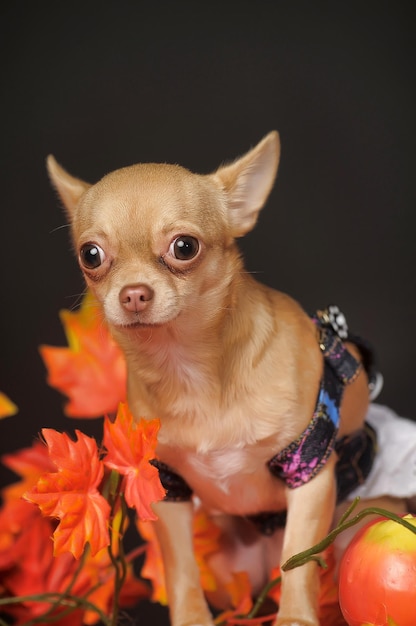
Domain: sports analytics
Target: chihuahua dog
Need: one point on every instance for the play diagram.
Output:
(237, 372)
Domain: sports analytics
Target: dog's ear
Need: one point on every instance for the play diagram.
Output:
(248, 181)
(69, 188)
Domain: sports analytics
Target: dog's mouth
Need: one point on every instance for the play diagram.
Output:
(134, 324)
(142, 324)
(138, 325)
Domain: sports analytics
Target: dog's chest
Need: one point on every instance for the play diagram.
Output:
(234, 480)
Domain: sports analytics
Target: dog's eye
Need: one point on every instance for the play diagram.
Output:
(91, 255)
(185, 248)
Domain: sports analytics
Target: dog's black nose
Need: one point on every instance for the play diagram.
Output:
(135, 298)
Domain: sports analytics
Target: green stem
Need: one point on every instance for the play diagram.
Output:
(262, 596)
(65, 593)
(348, 512)
(70, 609)
(119, 559)
(78, 570)
(308, 555)
(58, 599)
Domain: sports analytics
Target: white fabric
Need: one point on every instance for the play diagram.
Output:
(394, 469)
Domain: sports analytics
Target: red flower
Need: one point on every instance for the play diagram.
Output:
(71, 494)
(130, 446)
(92, 370)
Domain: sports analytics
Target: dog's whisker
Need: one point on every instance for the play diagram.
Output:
(251, 272)
(54, 230)
(78, 300)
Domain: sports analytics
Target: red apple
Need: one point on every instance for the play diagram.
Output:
(377, 581)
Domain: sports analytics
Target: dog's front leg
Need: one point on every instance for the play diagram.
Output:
(174, 529)
(310, 512)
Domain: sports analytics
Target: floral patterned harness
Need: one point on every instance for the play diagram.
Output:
(302, 459)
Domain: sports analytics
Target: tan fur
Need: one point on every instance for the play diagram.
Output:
(230, 366)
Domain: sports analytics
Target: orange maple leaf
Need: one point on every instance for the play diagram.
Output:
(130, 446)
(35, 571)
(239, 590)
(329, 609)
(16, 516)
(240, 593)
(71, 494)
(153, 568)
(27, 563)
(30, 464)
(206, 542)
(7, 408)
(91, 372)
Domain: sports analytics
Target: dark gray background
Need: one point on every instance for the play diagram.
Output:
(106, 84)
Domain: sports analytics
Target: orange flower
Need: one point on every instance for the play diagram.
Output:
(7, 408)
(130, 446)
(92, 370)
(71, 494)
